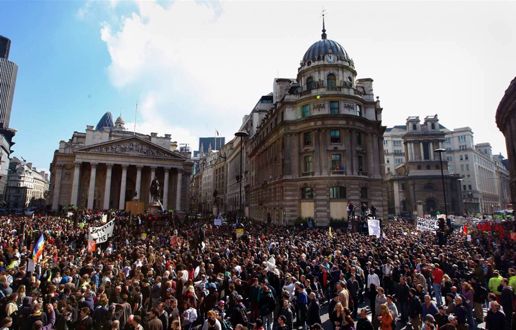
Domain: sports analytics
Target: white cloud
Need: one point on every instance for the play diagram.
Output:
(201, 66)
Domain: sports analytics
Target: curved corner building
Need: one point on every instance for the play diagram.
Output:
(320, 145)
(506, 121)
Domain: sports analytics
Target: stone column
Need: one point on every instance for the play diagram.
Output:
(152, 175)
(91, 188)
(178, 190)
(121, 204)
(165, 187)
(370, 155)
(351, 168)
(75, 184)
(57, 187)
(138, 187)
(107, 187)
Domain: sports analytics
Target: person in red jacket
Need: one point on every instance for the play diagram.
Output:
(437, 278)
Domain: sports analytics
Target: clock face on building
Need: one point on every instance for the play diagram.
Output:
(330, 58)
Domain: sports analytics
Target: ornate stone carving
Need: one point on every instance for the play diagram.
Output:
(133, 148)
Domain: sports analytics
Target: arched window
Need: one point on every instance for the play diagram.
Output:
(331, 82)
(310, 83)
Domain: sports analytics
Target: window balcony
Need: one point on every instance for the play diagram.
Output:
(307, 174)
(338, 172)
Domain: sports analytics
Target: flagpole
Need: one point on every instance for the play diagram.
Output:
(135, 112)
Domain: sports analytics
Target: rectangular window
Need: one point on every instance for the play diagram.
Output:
(464, 187)
(336, 162)
(469, 186)
(335, 136)
(359, 138)
(360, 165)
(308, 166)
(426, 150)
(307, 193)
(305, 110)
(334, 107)
(396, 143)
(363, 193)
(467, 167)
(359, 110)
(466, 156)
(461, 157)
(338, 192)
(307, 139)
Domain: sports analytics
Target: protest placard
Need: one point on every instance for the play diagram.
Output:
(102, 233)
(427, 224)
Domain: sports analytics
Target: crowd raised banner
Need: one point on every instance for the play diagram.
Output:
(102, 233)
(374, 227)
(427, 224)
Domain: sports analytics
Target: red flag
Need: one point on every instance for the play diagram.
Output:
(465, 229)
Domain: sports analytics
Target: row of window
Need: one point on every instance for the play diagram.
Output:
(331, 82)
(335, 137)
(336, 164)
(306, 110)
(337, 192)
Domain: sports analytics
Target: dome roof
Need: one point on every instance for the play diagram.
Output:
(323, 47)
(105, 122)
(119, 121)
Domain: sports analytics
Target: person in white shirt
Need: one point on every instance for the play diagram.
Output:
(189, 317)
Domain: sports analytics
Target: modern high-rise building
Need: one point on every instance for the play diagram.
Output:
(209, 143)
(8, 71)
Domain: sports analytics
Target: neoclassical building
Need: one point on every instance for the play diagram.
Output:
(506, 121)
(319, 145)
(107, 166)
(415, 187)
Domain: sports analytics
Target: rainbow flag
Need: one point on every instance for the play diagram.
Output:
(38, 248)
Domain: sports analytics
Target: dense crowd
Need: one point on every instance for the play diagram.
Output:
(168, 274)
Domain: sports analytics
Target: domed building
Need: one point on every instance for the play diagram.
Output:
(319, 146)
(107, 166)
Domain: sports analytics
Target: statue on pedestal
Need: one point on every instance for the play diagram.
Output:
(155, 190)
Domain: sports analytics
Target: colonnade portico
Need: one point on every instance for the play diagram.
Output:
(112, 194)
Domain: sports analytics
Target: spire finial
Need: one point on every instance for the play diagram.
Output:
(323, 35)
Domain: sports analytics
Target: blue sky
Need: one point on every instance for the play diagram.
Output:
(197, 67)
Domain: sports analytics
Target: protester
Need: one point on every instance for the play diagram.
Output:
(154, 273)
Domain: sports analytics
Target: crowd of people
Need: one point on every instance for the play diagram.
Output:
(163, 273)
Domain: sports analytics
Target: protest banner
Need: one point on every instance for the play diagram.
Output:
(217, 222)
(427, 224)
(102, 233)
(373, 225)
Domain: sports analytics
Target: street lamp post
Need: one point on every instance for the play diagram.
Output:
(440, 151)
(241, 135)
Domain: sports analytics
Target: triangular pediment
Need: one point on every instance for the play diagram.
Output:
(132, 146)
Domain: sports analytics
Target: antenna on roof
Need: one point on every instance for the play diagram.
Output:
(323, 35)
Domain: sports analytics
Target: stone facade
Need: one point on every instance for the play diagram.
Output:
(506, 121)
(319, 145)
(107, 166)
(26, 185)
(416, 186)
(484, 177)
